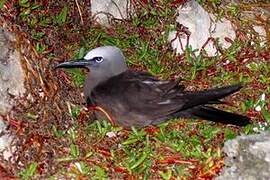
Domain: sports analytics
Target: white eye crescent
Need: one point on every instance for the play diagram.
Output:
(98, 59)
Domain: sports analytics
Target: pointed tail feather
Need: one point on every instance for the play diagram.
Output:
(209, 96)
(216, 115)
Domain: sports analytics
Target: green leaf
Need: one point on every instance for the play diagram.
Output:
(25, 13)
(75, 152)
(35, 7)
(100, 173)
(130, 141)
(29, 171)
(75, 111)
(89, 154)
(40, 48)
(72, 133)
(139, 161)
(134, 130)
(62, 17)
(248, 129)
(24, 3)
(38, 35)
(31, 116)
(77, 76)
(81, 52)
(64, 159)
(84, 168)
(166, 175)
(57, 132)
(266, 115)
(229, 134)
(2, 2)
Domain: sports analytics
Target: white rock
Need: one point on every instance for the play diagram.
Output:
(197, 20)
(11, 85)
(247, 157)
(222, 29)
(11, 73)
(5, 140)
(201, 26)
(102, 10)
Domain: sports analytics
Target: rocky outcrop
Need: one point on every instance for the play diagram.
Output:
(11, 85)
(201, 25)
(248, 157)
(11, 72)
(102, 11)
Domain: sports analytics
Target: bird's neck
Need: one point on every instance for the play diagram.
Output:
(92, 80)
(95, 78)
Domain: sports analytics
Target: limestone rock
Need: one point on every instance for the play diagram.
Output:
(202, 26)
(5, 140)
(103, 10)
(248, 157)
(11, 72)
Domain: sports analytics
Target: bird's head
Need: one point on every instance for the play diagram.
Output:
(106, 60)
(102, 62)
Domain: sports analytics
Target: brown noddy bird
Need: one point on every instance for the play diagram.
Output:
(130, 98)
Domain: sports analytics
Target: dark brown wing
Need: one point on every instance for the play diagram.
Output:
(139, 99)
(138, 96)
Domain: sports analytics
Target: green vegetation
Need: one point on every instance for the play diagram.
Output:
(60, 141)
(29, 171)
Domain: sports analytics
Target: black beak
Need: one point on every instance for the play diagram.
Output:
(81, 63)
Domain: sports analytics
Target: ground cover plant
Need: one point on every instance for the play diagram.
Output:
(54, 142)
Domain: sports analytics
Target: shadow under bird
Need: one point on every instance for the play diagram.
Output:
(130, 98)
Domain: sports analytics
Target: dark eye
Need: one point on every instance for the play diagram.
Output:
(98, 59)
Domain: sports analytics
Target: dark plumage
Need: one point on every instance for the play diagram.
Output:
(139, 99)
